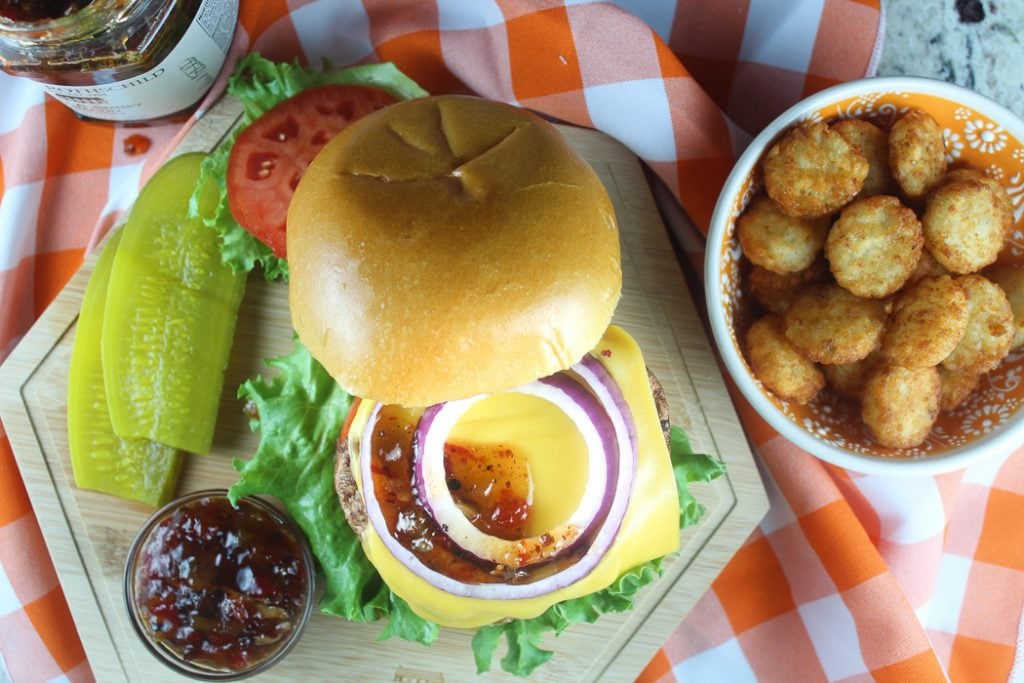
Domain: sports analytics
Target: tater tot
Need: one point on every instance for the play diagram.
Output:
(926, 265)
(962, 173)
(813, 171)
(874, 247)
(929, 319)
(778, 365)
(778, 242)
(1011, 280)
(873, 143)
(963, 226)
(829, 325)
(899, 405)
(990, 327)
(1005, 203)
(956, 387)
(917, 155)
(774, 292)
(848, 379)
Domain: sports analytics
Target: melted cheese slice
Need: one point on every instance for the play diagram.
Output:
(649, 530)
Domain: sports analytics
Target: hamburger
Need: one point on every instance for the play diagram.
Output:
(455, 264)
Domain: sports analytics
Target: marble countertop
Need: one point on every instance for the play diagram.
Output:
(978, 44)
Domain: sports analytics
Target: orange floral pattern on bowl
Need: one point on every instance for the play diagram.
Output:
(971, 138)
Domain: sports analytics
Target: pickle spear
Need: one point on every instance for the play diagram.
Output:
(170, 317)
(136, 469)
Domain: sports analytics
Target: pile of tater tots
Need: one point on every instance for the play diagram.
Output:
(875, 273)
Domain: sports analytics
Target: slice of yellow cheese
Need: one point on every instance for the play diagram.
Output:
(649, 530)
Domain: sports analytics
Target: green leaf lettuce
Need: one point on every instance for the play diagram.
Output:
(299, 414)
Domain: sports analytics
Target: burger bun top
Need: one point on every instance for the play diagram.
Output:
(450, 246)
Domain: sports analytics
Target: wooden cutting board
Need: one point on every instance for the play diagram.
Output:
(88, 533)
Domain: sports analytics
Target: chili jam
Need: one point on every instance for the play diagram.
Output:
(34, 10)
(220, 588)
(491, 485)
(488, 483)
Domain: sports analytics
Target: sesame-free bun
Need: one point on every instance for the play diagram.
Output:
(449, 246)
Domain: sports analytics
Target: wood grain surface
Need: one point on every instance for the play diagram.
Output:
(88, 533)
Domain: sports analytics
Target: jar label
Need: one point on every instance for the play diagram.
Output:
(176, 83)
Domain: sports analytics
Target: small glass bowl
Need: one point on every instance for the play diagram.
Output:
(167, 655)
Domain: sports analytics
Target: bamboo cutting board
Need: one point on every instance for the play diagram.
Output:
(88, 534)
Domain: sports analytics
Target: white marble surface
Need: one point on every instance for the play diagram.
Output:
(975, 43)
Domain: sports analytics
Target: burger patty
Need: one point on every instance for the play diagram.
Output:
(348, 492)
(661, 405)
(352, 502)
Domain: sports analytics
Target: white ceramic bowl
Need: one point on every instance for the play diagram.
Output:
(977, 131)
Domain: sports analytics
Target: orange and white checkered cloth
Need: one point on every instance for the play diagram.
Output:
(848, 578)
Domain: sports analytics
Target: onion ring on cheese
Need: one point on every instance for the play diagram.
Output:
(589, 397)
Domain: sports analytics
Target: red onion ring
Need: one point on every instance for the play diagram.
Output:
(589, 373)
(431, 481)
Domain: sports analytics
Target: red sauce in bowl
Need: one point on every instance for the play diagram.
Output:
(218, 588)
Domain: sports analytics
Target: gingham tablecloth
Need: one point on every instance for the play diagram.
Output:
(848, 578)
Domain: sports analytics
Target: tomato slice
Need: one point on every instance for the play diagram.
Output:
(270, 156)
(351, 416)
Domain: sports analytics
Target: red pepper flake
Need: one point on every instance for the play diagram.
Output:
(607, 353)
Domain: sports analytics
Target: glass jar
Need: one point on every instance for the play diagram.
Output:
(121, 60)
(219, 593)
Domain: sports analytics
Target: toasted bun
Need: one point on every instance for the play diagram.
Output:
(450, 246)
